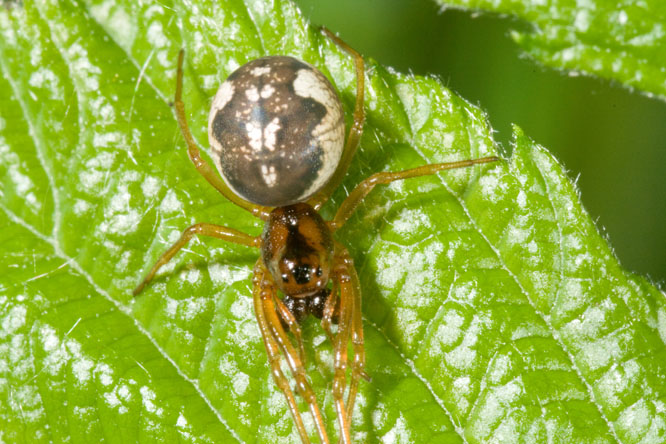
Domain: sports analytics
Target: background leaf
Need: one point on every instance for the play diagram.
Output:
(493, 309)
(623, 41)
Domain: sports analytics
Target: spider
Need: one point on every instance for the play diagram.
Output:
(277, 134)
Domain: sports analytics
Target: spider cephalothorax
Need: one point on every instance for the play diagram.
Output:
(276, 131)
(298, 250)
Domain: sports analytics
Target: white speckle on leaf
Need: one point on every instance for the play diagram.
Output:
(582, 20)
(615, 382)
(22, 183)
(107, 140)
(84, 413)
(82, 368)
(181, 422)
(49, 338)
(150, 187)
(36, 55)
(14, 358)
(490, 187)
(148, 397)
(103, 160)
(276, 402)
(111, 399)
(171, 203)
(574, 292)
(225, 274)
(464, 355)
(466, 292)
(379, 415)
(193, 307)
(661, 322)
(46, 79)
(640, 424)
(601, 353)
(499, 368)
(419, 105)
(649, 38)
(240, 383)
(407, 318)
(120, 23)
(104, 373)
(461, 358)
(449, 330)
(103, 111)
(14, 320)
(521, 199)
(399, 433)
(462, 388)
(498, 400)
(191, 276)
(81, 207)
(171, 307)
(408, 218)
(241, 308)
(120, 217)
(567, 54)
(155, 35)
(518, 235)
(90, 179)
(82, 69)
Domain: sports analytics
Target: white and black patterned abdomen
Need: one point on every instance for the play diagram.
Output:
(276, 129)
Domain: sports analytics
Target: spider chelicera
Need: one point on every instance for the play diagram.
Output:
(276, 129)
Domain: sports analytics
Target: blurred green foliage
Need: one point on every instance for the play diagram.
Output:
(611, 139)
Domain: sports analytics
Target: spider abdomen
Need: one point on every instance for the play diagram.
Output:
(298, 249)
(276, 129)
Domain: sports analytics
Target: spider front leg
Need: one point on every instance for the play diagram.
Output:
(202, 229)
(276, 339)
(351, 324)
(290, 321)
(327, 318)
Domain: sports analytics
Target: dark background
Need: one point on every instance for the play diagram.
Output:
(612, 140)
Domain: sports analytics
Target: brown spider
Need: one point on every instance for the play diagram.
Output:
(276, 130)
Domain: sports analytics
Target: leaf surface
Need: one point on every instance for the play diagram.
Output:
(493, 310)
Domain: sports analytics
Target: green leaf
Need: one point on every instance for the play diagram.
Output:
(493, 309)
(622, 41)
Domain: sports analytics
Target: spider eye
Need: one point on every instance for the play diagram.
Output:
(301, 274)
(285, 277)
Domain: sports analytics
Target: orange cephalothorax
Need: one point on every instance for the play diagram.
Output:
(298, 249)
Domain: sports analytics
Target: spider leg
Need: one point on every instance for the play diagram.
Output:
(329, 311)
(273, 333)
(202, 229)
(341, 265)
(358, 194)
(351, 289)
(272, 349)
(200, 164)
(355, 131)
(288, 318)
